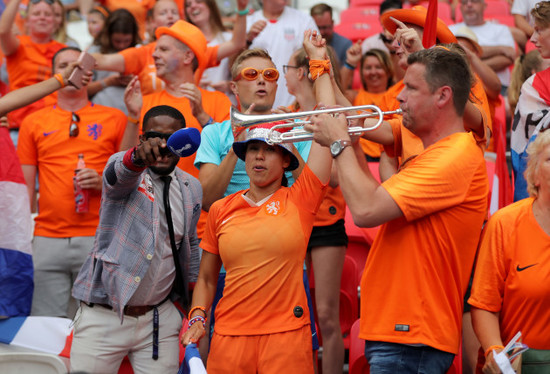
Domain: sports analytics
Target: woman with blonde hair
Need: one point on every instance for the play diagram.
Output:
(511, 291)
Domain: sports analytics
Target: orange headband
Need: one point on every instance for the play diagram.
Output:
(101, 10)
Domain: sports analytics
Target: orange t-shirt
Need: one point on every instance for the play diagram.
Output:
(263, 250)
(139, 61)
(368, 98)
(332, 209)
(419, 265)
(406, 144)
(138, 8)
(512, 273)
(29, 64)
(44, 142)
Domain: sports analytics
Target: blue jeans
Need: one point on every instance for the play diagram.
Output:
(390, 358)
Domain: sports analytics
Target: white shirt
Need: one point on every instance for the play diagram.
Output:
(280, 39)
(523, 7)
(489, 35)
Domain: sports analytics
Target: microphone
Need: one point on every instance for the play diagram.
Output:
(184, 142)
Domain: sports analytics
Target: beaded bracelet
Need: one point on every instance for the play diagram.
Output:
(201, 308)
(491, 348)
(318, 68)
(196, 319)
(58, 77)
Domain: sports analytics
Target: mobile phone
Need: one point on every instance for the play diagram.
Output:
(88, 63)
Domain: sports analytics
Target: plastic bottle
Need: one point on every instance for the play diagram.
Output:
(81, 195)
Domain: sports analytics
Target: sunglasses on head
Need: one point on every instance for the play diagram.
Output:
(73, 128)
(250, 74)
(50, 2)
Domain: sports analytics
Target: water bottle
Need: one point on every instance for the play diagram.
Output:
(81, 195)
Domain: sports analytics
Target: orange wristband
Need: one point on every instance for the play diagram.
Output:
(318, 68)
(58, 77)
(201, 308)
(491, 348)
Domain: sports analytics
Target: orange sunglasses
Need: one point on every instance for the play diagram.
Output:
(250, 74)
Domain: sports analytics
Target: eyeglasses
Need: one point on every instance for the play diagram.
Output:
(286, 67)
(464, 2)
(250, 74)
(155, 134)
(73, 128)
(46, 1)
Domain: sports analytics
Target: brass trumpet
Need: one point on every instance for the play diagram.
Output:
(241, 121)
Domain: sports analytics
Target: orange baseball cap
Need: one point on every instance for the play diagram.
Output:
(417, 16)
(188, 34)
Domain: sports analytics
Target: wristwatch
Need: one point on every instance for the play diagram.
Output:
(338, 146)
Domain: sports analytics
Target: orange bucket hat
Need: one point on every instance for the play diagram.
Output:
(417, 16)
(188, 34)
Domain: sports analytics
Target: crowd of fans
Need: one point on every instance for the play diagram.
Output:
(234, 233)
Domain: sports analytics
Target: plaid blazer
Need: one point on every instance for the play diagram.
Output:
(128, 234)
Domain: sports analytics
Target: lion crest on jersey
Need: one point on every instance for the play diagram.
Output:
(273, 208)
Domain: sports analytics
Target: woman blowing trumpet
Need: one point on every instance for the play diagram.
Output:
(260, 235)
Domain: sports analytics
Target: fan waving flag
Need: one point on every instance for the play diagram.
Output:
(16, 270)
(430, 28)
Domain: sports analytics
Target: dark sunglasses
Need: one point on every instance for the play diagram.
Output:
(155, 134)
(50, 2)
(73, 128)
(250, 74)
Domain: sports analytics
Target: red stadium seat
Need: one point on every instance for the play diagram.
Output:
(357, 362)
(349, 303)
(358, 30)
(363, 14)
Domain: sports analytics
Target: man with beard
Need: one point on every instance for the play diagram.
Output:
(130, 278)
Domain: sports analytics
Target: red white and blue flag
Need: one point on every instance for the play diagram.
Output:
(16, 270)
(531, 117)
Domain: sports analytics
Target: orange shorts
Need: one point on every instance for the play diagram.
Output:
(288, 351)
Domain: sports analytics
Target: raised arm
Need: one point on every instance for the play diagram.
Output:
(8, 41)
(319, 160)
(110, 62)
(238, 41)
(27, 95)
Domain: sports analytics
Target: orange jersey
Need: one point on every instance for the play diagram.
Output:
(139, 61)
(368, 98)
(263, 250)
(419, 265)
(332, 209)
(138, 8)
(44, 142)
(512, 272)
(29, 64)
